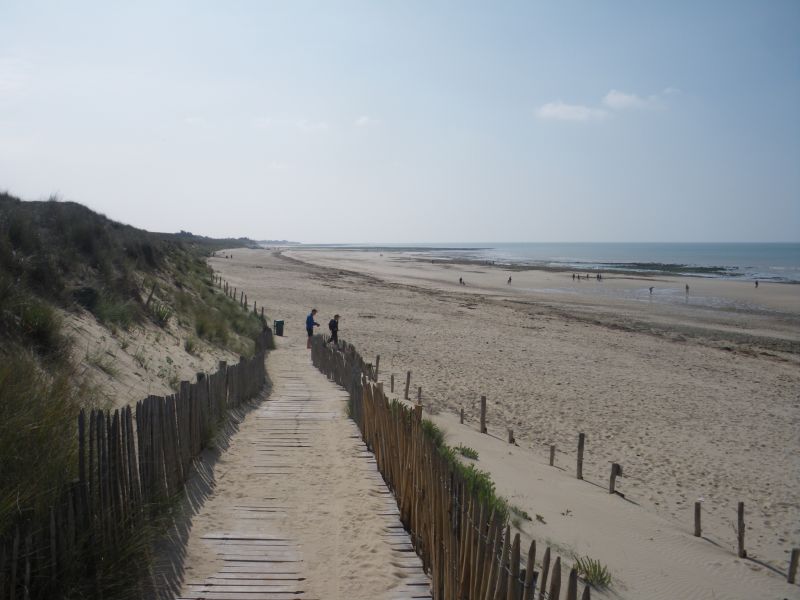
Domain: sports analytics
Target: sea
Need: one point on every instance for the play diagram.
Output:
(778, 262)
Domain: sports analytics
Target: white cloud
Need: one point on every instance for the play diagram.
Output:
(621, 101)
(617, 100)
(366, 121)
(263, 122)
(311, 126)
(560, 111)
(614, 101)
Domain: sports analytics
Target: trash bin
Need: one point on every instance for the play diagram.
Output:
(278, 328)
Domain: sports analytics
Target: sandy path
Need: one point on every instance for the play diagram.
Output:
(298, 505)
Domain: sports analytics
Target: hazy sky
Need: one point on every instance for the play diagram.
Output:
(410, 121)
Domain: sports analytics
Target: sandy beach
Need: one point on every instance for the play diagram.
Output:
(697, 398)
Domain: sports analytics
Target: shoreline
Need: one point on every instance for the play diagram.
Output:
(546, 284)
(632, 267)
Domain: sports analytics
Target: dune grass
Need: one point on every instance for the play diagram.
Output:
(62, 256)
(477, 481)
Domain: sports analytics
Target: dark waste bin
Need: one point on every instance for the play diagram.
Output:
(278, 328)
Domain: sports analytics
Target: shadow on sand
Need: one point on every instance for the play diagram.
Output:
(169, 552)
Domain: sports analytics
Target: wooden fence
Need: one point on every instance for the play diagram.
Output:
(129, 465)
(468, 551)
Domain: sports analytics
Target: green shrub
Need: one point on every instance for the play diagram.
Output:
(592, 571)
(478, 482)
(467, 452)
(161, 313)
(112, 310)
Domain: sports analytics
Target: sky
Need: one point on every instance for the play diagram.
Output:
(403, 121)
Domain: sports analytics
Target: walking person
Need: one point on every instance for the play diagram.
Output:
(333, 325)
(310, 324)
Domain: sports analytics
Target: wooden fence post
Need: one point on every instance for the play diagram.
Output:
(462, 415)
(511, 439)
(572, 585)
(616, 471)
(483, 414)
(552, 454)
(793, 565)
(740, 530)
(419, 395)
(555, 582)
(697, 529)
(377, 366)
(391, 383)
(581, 443)
(408, 383)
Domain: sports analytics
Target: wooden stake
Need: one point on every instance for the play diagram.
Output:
(581, 443)
(513, 571)
(555, 581)
(483, 414)
(528, 589)
(793, 565)
(552, 454)
(544, 572)
(391, 383)
(697, 529)
(587, 593)
(511, 436)
(616, 471)
(740, 530)
(419, 395)
(572, 585)
(377, 364)
(408, 384)
(462, 415)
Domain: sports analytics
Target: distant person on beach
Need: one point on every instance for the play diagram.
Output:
(460, 281)
(687, 289)
(509, 280)
(651, 291)
(756, 283)
(573, 277)
(310, 324)
(333, 325)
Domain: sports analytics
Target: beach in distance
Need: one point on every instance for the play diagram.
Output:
(697, 395)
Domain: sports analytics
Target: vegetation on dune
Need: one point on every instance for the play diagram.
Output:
(592, 571)
(61, 256)
(478, 482)
(467, 452)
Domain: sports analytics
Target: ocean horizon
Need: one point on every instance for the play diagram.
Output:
(778, 262)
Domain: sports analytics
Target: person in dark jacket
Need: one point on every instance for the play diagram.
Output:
(310, 324)
(333, 325)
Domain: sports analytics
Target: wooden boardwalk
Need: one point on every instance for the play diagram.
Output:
(299, 510)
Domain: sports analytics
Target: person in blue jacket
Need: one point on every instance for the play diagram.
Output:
(310, 324)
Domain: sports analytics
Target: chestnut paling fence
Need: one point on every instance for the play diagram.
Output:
(465, 546)
(129, 465)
